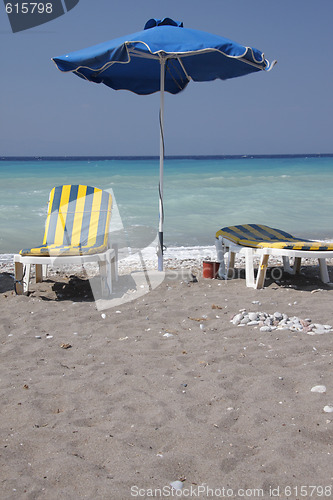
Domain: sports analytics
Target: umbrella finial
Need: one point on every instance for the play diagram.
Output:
(152, 23)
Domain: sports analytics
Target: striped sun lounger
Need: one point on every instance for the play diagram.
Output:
(257, 239)
(76, 231)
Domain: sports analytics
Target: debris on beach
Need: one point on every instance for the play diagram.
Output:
(279, 321)
(65, 346)
(203, 318)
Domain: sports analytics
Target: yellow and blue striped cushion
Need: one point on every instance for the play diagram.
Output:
(259, 236)
(77, 222)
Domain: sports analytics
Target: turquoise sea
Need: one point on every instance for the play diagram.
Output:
(201, 194)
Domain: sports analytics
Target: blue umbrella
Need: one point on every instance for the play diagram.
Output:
(163, 57)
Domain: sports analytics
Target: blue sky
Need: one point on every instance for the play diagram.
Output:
(285, 111)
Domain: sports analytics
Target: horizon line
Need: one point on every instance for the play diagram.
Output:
(156, 157)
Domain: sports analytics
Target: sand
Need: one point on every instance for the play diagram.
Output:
(119, 403)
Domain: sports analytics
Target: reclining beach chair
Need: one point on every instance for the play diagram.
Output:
(257, 240)
(76, 232)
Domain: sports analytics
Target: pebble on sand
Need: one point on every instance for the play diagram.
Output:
(176, 485)
(278, 321)
(319, 388)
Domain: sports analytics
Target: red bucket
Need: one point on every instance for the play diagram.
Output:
(210, 269)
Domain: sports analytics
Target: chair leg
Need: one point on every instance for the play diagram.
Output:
(323, 271)
(18, 276)
(44, 270)
(39, 273)
(231, 264)
(109, 275)
(249, 268)
(26, 278)
(22, 278)
(102, 264)
(260, 281)
(296, 267)
(114, 262)
(286, 265)
(220, 251)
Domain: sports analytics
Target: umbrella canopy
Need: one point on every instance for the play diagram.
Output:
(165, 56)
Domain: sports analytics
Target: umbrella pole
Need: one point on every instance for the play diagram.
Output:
(160, 188)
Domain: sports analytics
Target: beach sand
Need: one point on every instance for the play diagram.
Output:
(104, 405)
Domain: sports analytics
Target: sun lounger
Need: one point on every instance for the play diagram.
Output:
(76, 232)
(253, 240)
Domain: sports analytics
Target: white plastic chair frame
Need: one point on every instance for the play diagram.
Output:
(224, 245)
(107, 262)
